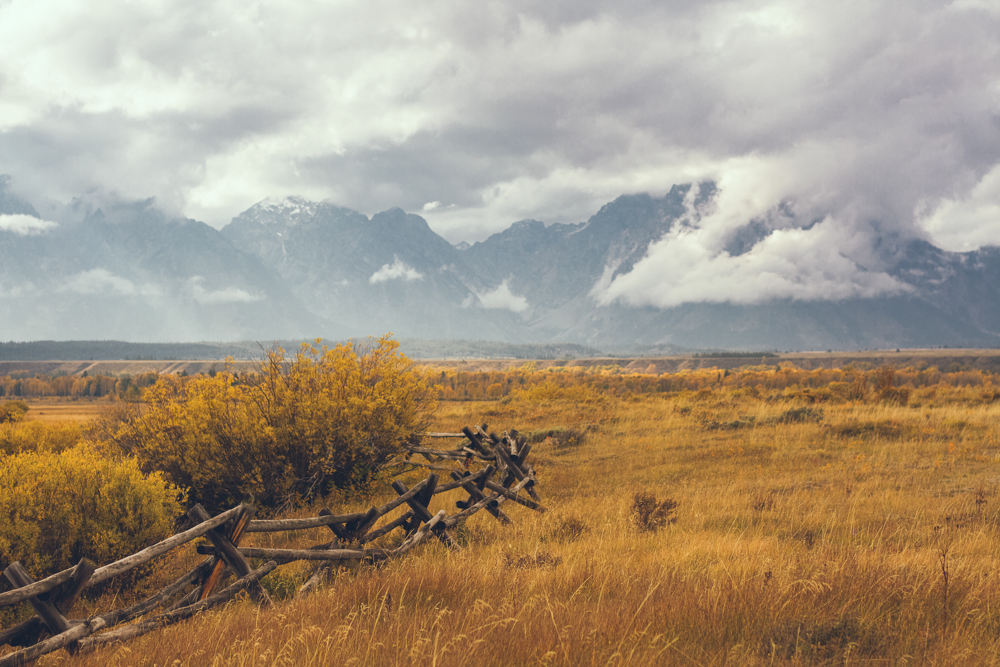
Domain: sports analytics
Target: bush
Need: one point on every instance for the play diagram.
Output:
(801, 415)
(38, 436)
(648, 513)
(59, 508)
(292, 431)
(559, 437)
(12, 411)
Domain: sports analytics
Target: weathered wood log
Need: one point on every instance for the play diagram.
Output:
(466, 513)
(476, 495)
(424, 498)
(24, 633)
(141, 628)
(365, 522)
(387, 528)
(420, 535)
(447, 454)
(33, 625)
(476, 478)
(229, 553)
(188, 599)
(399, 500)
(66, 596)
(102, 574)
(430, 466)
(219, 566)
(512, 495)
(324, 519)
(167, 593)
(62, 640)
(320, 570)
(477, 442)
(61, 600)
(444, 435)
(164, 595)
(51, 617)
(339, 528)
(422, 514)
(41, 586)
(290, 555)
(313, 582)
(517, 472)
(63, 597)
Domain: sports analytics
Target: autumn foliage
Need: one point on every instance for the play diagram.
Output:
(61, 507)
(294, 430)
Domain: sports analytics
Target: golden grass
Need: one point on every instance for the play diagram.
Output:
(63, 411)
(868, 537)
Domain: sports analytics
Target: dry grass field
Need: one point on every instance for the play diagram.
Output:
(52, 411)
(859, 533)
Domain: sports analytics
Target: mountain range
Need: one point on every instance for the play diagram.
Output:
(292, 268)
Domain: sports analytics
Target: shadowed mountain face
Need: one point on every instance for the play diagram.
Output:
(295, 268)
(131, 273)
(389, 273)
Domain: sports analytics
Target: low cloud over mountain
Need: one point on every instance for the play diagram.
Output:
(680, 269)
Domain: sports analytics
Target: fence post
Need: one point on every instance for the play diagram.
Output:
(230, 554)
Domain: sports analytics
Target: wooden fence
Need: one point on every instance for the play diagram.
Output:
(504, 476)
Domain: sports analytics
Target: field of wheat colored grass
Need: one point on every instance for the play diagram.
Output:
(844, 532)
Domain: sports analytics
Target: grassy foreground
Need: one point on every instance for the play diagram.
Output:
(865, 534)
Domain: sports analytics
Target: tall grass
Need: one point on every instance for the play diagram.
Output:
(866, 535)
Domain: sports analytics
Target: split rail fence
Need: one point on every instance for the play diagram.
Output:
(505, 477)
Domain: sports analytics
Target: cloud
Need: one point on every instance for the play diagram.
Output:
(208, 297)
(103, 282)
(798, 264)
(502, 298)
(859, 111)
(965, 223)
(15, 291)
(24, 225)
(398, 270)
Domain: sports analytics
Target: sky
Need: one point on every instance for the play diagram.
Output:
(858, 119)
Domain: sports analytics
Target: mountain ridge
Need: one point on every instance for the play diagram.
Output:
(289, 268)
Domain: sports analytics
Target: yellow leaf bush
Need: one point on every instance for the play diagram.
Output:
(56, 508)
(22, 436)
(12, 411)
(296, 429)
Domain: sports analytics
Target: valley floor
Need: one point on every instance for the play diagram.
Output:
(846, 533)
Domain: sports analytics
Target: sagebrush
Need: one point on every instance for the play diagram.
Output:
(293, 431)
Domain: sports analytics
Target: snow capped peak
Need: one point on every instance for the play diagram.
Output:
(284, 211)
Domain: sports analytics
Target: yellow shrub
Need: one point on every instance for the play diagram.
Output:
(24, 436)
(12, 411)
(296, 429)
(58, 508)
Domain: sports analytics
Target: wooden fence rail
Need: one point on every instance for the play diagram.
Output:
(53, 597)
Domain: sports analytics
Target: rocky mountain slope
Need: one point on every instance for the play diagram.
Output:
(131, 273)
(294, 268)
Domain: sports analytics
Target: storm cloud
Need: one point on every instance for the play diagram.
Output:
(865, 120)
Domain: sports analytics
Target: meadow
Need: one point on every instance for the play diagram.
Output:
(846, 524)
